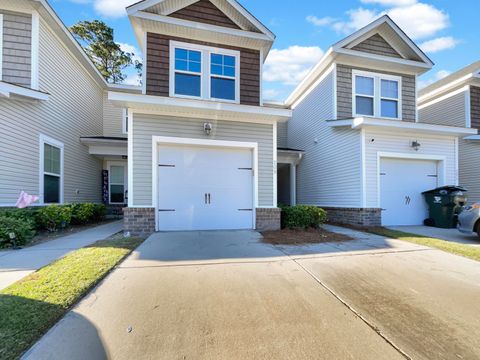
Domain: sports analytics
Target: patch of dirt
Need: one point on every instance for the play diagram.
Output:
(301, 237)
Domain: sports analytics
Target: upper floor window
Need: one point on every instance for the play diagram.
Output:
(204, 73)
(376, 95)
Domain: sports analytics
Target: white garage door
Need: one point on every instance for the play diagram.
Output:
(401, 185)
(204, 188)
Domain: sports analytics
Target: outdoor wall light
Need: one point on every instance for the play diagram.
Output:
(207, 128)
(416, 145)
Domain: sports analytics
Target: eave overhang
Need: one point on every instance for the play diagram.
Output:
(200, 109)
(472, 138)
(16, 92)
(106, 146)
(406, 127)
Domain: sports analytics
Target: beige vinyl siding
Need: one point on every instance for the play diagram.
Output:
(74, 109)
(282, 131)
(329, 174)
(146, 126)
(470, 168)
(450, 111)
(384, 141)
(345, 93)
(112, 119)
(17, 48)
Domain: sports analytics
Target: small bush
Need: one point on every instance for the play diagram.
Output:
(28, 214)
(24, 230)
(99, 212)
(83, 214)
(303, 217)
(54, 217)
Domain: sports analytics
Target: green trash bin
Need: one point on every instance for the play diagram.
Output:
(445, 203)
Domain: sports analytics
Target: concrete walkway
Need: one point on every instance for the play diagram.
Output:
(452, 235)
(16, 264)
(226, 295)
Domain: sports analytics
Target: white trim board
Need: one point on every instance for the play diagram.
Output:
(44, 139)
(162, 140)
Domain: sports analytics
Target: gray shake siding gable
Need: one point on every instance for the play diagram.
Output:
(17, 48)
(377, 45)
(345, 97)
(146, 126)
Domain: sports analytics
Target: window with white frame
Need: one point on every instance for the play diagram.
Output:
(51, 170)
(376, 95)
(204, 72)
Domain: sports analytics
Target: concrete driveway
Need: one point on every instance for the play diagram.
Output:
(225, 295)
(452, 235)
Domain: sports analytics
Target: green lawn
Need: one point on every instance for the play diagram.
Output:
(31, 306)
(454, 248)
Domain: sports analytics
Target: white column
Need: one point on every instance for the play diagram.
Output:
(293, 184)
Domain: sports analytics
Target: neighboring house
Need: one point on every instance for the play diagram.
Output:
(202, 149)
(455, 101)
(367, 159)
(50, 94)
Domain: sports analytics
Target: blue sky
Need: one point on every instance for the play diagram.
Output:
(447, 30)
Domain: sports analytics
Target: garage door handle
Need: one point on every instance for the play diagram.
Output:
(209, 199)
(206, 198)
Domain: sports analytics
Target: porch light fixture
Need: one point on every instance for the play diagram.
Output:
(207, 128)
(416, 145)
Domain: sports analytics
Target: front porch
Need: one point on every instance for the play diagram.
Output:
(287, 162)
(113, 152)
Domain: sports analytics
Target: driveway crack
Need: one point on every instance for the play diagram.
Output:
(348, 306)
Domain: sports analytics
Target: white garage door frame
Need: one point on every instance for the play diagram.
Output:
(442, 168)
(165, 140)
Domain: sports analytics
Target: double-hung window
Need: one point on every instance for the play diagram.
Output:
(203, 72)
(51, 174)
(376, 95)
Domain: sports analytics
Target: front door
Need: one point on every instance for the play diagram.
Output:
(118, 189)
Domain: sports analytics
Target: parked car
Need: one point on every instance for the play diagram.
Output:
(469, 220)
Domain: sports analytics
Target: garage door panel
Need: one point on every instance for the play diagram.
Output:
(401, 186)
(206, 186)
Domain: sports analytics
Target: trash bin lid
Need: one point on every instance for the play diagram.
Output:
(449, 189)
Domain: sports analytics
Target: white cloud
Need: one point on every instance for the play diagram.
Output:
(270, 94)
(418, 20)
(390, 2)
(132, 50)
(439, 75)
(320, 21)
(439, 44)
(133, 79)
(358, 18)
(289, 66)
(112, 8)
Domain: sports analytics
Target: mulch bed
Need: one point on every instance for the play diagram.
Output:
(302, 237)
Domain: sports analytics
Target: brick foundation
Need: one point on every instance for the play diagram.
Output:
(268, 219)
(139, 221)
(355, 216)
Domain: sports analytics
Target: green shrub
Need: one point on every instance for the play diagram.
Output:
(24, 230)
(28, 214)
(99, 212)
(82, 213)
(54, 217)
(302, 217)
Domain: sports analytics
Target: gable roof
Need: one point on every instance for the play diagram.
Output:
(231, 8)
(391, 32)
(409, 59)
(461, 77)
